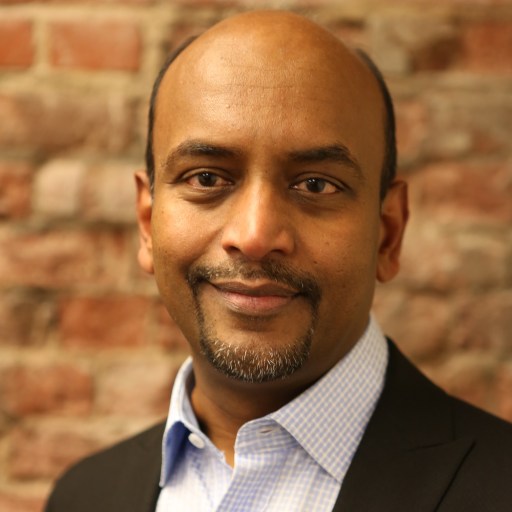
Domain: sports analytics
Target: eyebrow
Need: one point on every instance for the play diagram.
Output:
(338, 153)
(198, 148)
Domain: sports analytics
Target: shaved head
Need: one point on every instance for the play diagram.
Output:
(257, 41)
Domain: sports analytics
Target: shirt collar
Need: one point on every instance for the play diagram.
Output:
(181, 419)
(328, 419)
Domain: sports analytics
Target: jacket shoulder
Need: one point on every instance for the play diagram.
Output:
(483, 479)
(472, 420)
(103, 481)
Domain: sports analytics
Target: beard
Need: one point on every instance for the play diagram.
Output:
(253, 361)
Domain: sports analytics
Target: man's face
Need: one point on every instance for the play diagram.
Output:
(266, 234)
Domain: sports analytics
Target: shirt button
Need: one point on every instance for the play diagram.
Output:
(267, 430)
(196, 441)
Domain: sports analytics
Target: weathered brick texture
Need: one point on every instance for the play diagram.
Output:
(45, 450)
(15, 189)
(62, 258)
(41, 123)
(16, 43)
(82, 322)
(95, 45)
(87, 351)
(486, 46)
(51, 387)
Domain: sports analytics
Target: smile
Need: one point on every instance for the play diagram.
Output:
(256, 299)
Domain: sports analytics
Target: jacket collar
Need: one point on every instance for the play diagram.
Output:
(408, 455)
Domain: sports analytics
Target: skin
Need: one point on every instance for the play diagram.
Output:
(269, 89)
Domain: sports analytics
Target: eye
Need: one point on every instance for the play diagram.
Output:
(316, 186)
(206, 179)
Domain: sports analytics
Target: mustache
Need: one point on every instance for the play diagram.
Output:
(303, 282)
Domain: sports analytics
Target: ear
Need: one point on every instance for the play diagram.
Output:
(144, 210)
(393, 219)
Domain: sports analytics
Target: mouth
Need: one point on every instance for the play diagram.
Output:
(255, 298)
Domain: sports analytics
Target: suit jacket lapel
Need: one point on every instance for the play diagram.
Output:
(408, 456)
(139, 489)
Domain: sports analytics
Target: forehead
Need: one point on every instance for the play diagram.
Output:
(288, 92)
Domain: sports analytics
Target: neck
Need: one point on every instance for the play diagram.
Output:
(223, 405)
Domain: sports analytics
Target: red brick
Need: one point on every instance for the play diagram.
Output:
(136, 388)
(37, 452)
(188, 27)
(352, 32)
(194, 4)
(443, 258)
(465, 123)
(58, 188)
(410, 42)
(484, 322)
(412, 128)
(18, 316)
(418, 323)
(78, 2)
(458, 3)
(70, 187)
(40, 123)
(15, 189)
(109, 193)
(16, 45)
(104, 322)
(62, 258)
(439, 54)
(472, 193)
(18, 501)
(44, 449)
(46, 388)
(95, 45)
(487, 47)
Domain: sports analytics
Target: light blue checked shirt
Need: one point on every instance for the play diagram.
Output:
(292, 459)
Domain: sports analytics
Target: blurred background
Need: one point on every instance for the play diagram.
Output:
(87, 353)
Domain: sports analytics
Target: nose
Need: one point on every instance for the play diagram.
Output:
(259, 224)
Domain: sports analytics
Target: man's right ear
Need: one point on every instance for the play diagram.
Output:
(144, 210)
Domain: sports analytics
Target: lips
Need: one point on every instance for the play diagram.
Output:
(255, 299)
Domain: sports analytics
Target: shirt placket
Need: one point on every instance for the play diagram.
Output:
(260, 452)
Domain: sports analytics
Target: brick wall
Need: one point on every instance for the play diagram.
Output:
(87, 354)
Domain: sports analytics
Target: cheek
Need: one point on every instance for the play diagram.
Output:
(175, 247)
(346, 260)
(181, 238)
(178, 238)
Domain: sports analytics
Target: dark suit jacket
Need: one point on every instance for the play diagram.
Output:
(422, 451)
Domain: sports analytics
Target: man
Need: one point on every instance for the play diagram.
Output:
(268, 210)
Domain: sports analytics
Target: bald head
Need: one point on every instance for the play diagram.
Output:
(273, 56)
(271, 37)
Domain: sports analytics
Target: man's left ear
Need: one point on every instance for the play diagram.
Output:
(144, 211)
(393, 219)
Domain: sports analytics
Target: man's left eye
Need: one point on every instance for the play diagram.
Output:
(316, 186)
(206, 180)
